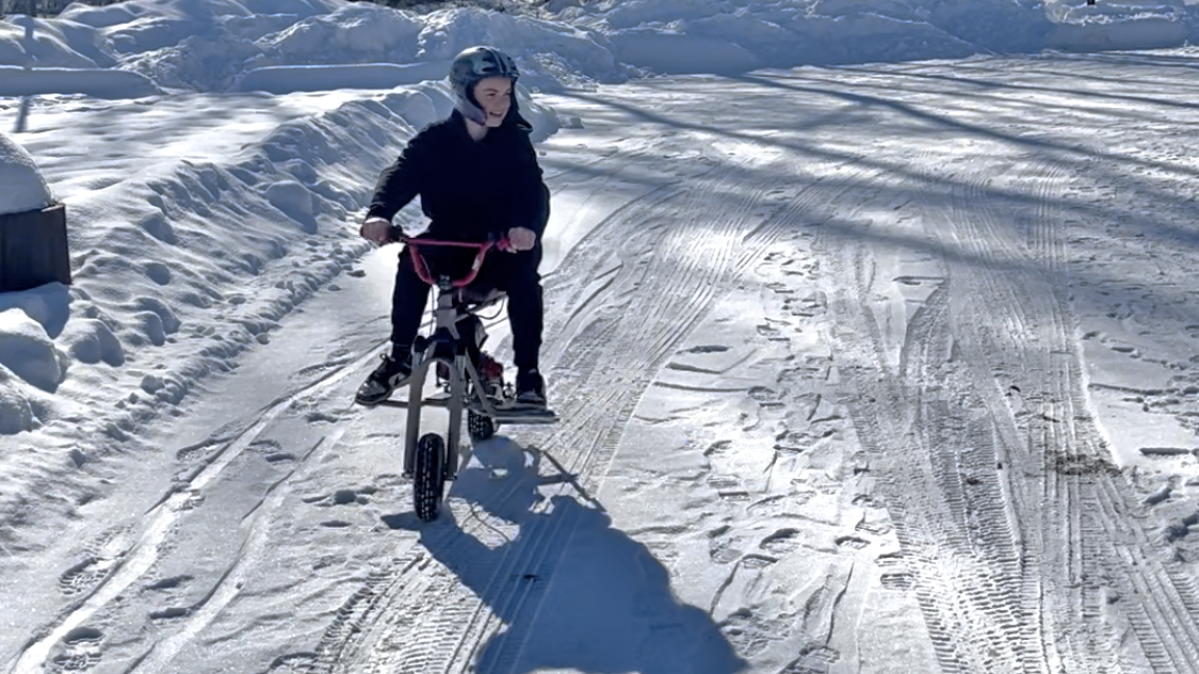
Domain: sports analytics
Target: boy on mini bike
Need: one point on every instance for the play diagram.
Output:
(478, 179)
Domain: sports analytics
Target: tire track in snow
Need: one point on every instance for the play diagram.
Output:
(949, 518)
(992, 313)
(1083, 494)
(1041, 519)
(158, 524)
(927, 510)
(1164, 603)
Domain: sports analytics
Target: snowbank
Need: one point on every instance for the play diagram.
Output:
(24, 188)
(28, 352)
(223, 45)
(31, 366)
(289, 79)
(217, 46)
(16, 413)
(787, 33)
(94, 82)
(197, 255)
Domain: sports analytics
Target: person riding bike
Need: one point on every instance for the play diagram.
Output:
(478, 179)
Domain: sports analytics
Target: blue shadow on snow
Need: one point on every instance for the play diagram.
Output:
(572, 591)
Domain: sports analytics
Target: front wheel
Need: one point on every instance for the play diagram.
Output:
(428, 476)
(481, 427)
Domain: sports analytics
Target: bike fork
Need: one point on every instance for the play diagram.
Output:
(416, 394)
(457, 404)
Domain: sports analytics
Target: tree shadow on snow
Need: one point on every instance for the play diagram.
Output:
(572, 591)
(26, 101)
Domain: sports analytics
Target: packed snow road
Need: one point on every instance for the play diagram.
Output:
(847, 361)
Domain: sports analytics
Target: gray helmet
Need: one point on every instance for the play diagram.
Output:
(472, 65)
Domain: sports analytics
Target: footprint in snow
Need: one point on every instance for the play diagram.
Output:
(343, 497)
(81, 635)
(716, 348)
(99, 557)
(781, 542)
(172, 583)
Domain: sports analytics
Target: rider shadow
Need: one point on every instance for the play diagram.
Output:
(572, 591)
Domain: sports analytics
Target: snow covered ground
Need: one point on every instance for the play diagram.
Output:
(862, 366)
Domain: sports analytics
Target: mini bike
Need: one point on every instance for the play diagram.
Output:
(470, 380)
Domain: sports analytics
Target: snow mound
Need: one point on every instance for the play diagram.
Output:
(348, 35)
(540, 47)
(91, 341)
(208, 62)
(212, 46)
(28, 352)
(24, 187)
(16, 414)
(550, 55)
(43, 43)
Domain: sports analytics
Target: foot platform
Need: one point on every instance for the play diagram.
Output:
(517, 415)
(511, 413)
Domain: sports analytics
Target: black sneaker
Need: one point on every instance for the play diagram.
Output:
(391, 374)
(530, 388)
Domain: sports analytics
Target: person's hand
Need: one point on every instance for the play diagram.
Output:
(376, 229)
(521, 238)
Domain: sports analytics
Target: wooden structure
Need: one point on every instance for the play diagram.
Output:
(33, 248)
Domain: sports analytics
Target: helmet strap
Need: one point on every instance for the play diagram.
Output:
(470, 108)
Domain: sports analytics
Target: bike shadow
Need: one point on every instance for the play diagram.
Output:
(572, 591)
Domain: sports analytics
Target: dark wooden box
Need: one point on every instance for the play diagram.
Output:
(33, 248)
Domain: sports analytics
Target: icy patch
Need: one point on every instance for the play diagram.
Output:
(24, 187)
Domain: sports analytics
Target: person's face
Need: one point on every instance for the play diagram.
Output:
(494, 95)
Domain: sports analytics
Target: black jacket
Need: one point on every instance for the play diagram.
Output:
(469, 189)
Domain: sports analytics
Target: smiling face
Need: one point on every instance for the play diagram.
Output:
(494, 95)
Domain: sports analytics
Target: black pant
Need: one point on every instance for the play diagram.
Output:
(514, 273)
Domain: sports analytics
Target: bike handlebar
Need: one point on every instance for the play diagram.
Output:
(422, 270)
